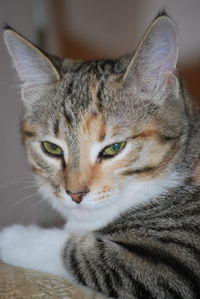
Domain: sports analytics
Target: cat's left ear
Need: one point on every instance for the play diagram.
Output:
(31, 64)
(154, 63)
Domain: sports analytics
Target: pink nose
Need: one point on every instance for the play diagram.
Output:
(77, 196)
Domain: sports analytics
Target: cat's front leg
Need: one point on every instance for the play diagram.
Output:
(34, 247)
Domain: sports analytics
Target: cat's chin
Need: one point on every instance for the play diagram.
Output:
(89, 215)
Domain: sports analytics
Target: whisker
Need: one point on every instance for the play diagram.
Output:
(21, 180)
(15, 183)
(23, 199)
(25, 188)
(39, 205)
(9, 85)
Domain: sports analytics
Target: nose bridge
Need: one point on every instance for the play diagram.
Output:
(74, 180)
(78, 170)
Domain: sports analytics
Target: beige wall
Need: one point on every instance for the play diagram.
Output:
(113, 27)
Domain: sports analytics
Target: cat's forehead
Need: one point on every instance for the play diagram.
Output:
(83, 82)
(100, 67)
(77, 92)
(86, 99)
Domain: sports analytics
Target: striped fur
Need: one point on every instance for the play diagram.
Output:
(152, 251)
(136, 233)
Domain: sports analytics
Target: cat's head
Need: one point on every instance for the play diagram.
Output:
(102, 136)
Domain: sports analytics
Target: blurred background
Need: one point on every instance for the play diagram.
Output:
(79, 29)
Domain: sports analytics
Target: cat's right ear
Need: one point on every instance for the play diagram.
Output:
(31, 64)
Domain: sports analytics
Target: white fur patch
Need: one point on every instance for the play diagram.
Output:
(96, 148)
(35, 248)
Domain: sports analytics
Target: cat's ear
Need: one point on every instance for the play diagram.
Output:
(32, 65)
(155, 60)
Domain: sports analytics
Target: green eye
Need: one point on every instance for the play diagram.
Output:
(113, 149)
(52, 149)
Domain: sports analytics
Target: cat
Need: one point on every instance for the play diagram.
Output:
(115, 148)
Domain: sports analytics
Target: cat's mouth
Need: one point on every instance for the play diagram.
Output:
(89, 201)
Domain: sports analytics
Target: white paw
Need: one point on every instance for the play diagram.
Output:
(11, 244)
(34, 248)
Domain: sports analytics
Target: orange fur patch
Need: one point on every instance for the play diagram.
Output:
(93, 126)
(196, 176)
(93, 88)
(149, 133)
(83, 179)
(88, 123)
(102, 132)
(87, 174)
(36, 170)
(27, 130)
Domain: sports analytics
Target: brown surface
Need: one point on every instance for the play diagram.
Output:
(18, 283)
(69, 46)
(191, 74)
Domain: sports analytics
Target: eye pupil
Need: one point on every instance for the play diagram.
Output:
(116, 147)
(53, 146)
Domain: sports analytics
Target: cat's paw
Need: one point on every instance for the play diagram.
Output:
(12, 241)
(34, 248)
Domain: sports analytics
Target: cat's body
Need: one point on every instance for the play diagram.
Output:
(116, 148)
